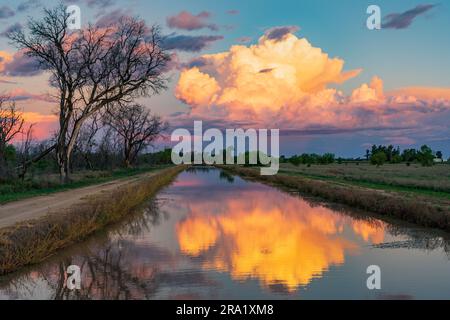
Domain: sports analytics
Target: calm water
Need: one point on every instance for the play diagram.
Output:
(212, 236)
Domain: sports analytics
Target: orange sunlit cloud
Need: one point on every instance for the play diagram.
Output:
(288, 81)
(271, 237)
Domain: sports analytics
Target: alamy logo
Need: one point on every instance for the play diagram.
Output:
(73, 277)
(251, 147)
(374, 280)
(374, 20)
(74, 19)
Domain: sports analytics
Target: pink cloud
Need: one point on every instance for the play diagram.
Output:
(188, 21)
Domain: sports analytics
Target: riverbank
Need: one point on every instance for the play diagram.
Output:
(432, 212)
(45, 184)
(32, 241)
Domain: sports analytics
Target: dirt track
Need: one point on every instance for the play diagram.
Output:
(37, 207)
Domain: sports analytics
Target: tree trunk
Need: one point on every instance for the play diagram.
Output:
(127, 156)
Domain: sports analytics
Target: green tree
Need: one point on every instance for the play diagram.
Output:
(425, 156)
(439, 154)
(378, 158)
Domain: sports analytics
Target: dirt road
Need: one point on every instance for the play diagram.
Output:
(37, 207)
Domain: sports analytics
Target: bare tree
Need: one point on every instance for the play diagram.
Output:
(11, 124)
(86, 141)
(136, 127)
(26, 152)
(92, 68)
(108, 149)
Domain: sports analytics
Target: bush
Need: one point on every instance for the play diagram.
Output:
(378, 159)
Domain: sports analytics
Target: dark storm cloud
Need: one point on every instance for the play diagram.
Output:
(111, 18)
(21, 66)
(27, 5)
(278, 33)
(266, 70)
(405, 19)
(12, 28)
(92, 3)
(189, 43)
(6, 12)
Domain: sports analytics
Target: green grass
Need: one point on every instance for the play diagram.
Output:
(32, 241)
(415, 179)
(19, 191)
(373, 185)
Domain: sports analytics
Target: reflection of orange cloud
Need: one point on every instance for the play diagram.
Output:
(273, 237)
(368, 232)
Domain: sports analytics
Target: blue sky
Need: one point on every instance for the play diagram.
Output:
(416, 56)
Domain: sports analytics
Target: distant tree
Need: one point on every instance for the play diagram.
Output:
(136, 127)
(409, 155)
(295, 160)
(327, 158)
(378, 159)
(389, 153)
(425, 156)
(86, 141)
(11, 124)
(396, 158)
(439, 154)
(367, 154)
(25, 154)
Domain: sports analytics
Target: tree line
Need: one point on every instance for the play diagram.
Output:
(380, 155)
(309, 159)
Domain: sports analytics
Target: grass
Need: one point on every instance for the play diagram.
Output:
(33, 241)
(397, 177)
(422, 210)
(48, 184)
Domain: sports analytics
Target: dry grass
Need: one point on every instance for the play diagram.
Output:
(33, 241)
(416, 210)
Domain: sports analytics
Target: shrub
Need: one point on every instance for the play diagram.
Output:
(378, 159)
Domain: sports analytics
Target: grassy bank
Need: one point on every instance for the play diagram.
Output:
(429, 181)
(48, 184)
(421, 210)
(33, 241)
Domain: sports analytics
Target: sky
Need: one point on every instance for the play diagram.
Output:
(311, 68)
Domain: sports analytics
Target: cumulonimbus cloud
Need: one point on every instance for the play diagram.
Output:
(286, 82)
(188, 21)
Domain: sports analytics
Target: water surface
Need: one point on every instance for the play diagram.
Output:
(210, 235)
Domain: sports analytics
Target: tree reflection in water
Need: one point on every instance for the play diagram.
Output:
(112, 266)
